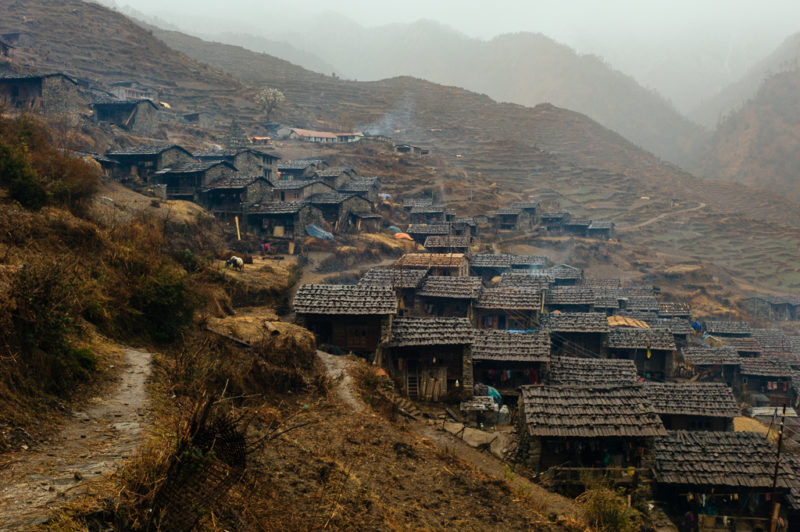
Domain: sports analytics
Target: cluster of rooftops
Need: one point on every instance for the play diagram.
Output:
(587, 361)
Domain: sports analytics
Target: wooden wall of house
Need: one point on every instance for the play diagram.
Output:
(360, 334)
(578, 344)
(446, 308)
(679, 422)
(660, 366)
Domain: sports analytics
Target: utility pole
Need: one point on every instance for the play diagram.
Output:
(775, 506)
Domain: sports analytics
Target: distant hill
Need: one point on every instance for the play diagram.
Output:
(732, 97)
(522, 68)
(759, 145)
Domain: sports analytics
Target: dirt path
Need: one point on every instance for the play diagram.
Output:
(336, 367)
(91, 444)
(660, 217)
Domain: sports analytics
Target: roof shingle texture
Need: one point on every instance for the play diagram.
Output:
(511, 347)
(408, 332)
(710, 399)
(345, 299)
(575, 371)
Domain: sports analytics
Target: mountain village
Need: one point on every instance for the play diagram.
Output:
(562, 376)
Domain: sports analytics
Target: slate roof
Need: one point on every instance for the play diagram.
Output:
(491, 260)
(417, 202)
(764, 367)
(447, 241)
(408, 332)
(298, 164)
(394, 277)
(508, 211)
(359, 184)
(554, 215)
(592, 282)
(143, 150)
(675, 325)
(772, 340)
(565, 271)
(589, 412)
(233, 182)
(578, 222)
(430, 260)
(743, 344)
(623, 338)
(511, 347)
(451, 287)
(509, 298)
(329, 198)
(428, 229)
(575, 371)
(345, 299)
(722, 328)
(711, 356)
(528, 261)
(533, 204)
(428, 209)
(709, 399)
(570, 295)
(581, 322)
(719, 459)
(281, 207)
(194, 167)
(538, 279)
(642, 303)
(296, 184)
(673, 309)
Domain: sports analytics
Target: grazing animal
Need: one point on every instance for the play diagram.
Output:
(235, 262)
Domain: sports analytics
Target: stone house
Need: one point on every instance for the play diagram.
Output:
(776, 308)
(284, 220)
(530, 207)
(142, 162)
(554, 221)
(444, 264)
(581, 333)
(653, 351)
(507, 360)
(428, 214)
(447, 244)
(508, 308)
(431, 358)
(364, 186)
(577, 226)
(137, 116)
(235, 194)
(693, 405)
(600, 230)
(420, 232)
(513, 219)
(49, 94)
(490, 265)
(299, 169)
(5, 49)
(719, 364)
(448, 296)
(336, 176)
(298, 190)
(248, 161)
(340, 210)
(601, 429)
(132, 90)
(404, 281)
(766, 381)
(723, 478)
(187, 180)
(353, 318)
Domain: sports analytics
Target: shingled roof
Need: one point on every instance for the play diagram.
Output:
(393, 277)
(641, 303)
(743, 344)
(589, 412)
(430, 260)
(345, 299)
(234, 182)
(281, 207)
(429, 229)
(408, 332)
(511, 347)
(718, 459)
(711, 356)
(570, 295)
(447, 241)
(510, 298)
(592, 282)
(451, 287)
(764, 367)
(298, 164)
(360, 184)
(580, 322)
(565, 271)
(623, 338)
(528, 261)
(491, 260)
(575, 371)
(709, 399)
(724, 328)
(194, 167)
(670, 309)
(134, 151)
(331, 198)
(297, 184)
(538, 279)
(428, 209)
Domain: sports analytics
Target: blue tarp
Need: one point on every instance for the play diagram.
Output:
(394, 229)
(318, 232)
(494, 394)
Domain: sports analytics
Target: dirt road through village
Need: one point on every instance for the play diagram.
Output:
(35, 483)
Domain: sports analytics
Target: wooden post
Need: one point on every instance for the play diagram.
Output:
(238, 234)
(775, 505)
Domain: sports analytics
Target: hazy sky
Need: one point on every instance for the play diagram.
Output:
(565, 20)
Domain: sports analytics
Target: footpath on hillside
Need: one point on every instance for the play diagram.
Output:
(91, 444)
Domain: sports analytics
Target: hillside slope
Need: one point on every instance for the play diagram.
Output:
(522, 68)
(758, 145)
